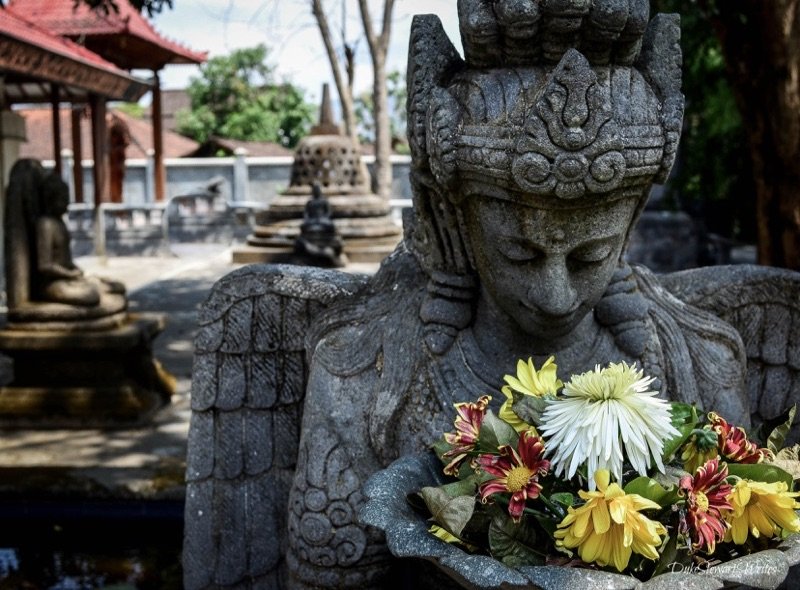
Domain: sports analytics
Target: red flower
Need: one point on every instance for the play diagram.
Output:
(515, 472)
(469, 417)
(733, 443)
(706, 496)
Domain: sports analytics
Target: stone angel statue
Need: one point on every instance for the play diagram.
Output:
(533, 156)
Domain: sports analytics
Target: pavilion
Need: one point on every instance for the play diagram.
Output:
(123, 37)
(37, 66)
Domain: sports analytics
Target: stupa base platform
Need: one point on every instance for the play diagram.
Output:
(285, 255)
(88, 379)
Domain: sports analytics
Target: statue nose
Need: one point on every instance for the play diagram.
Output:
(553, 293)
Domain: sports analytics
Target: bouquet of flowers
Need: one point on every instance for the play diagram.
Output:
(599, 472)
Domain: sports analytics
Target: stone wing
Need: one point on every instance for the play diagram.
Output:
(763, 304)
(248, 385)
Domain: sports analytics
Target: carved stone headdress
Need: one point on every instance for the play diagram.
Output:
(558, 103)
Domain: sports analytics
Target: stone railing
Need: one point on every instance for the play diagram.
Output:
(147, 229)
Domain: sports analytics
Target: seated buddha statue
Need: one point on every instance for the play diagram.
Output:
(43, 282)
(319, 243)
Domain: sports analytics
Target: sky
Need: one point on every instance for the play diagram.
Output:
(288, 28)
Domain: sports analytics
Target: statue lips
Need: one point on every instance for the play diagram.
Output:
(548, 323)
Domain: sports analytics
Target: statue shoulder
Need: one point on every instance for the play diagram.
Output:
(381, 322)
(702, 355)
(763, 305)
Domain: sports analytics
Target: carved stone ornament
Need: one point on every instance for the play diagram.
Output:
(532, 158)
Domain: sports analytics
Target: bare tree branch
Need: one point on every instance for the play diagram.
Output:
(343, 88)
(378, 48)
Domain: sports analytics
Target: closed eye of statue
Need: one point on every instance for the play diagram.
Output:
(517, 250)
(591, 254)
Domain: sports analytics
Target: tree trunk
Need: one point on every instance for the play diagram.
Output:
(761, 42)
(383, 131)
(343, 88)
(378, 47)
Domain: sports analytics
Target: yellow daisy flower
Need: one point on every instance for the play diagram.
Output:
(609, 527)
(528, 381)
(761, 509)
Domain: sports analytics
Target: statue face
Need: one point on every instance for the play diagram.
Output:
(545, 269)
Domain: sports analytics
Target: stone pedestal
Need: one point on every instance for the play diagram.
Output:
(84, 379)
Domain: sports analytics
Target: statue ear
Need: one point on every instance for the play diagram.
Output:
(660, 63)
(432, 62)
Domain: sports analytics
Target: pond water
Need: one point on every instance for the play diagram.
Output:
(83, 553)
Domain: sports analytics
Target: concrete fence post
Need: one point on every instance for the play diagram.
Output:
(149, 175)
(240, 175)
(67, 164)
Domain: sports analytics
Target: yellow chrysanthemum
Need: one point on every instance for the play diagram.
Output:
(609, 527)
(528, 381)
(761, 508)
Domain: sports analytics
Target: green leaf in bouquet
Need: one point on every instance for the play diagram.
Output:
(463, 487)
(788, 459)
(564, 499)
(452, 514)
(670, 478)
(684, 419)
(495, 433)
(766, 472)
(514, 544)
(777, 437)
(440, 447)
(529, 408)
(650, 489)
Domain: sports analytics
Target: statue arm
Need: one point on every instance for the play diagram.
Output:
(327, 545)
(46, 260)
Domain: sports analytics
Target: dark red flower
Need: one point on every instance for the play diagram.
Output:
(516, 472)
(706, 497)
(469, 417)
(733, 443)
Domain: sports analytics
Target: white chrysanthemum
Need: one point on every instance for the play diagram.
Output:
(603, 413)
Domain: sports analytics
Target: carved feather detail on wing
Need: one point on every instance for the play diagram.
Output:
(763, 304)
(248, 385)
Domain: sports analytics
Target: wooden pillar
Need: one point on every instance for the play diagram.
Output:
(77, 152)
(160, 180)
(55, 101)
(99, 148)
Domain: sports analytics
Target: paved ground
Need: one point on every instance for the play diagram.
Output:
(142, 463)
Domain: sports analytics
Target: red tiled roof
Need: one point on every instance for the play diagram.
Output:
(39, 131)
(214, 145)
(15, 26)
(28, 44)
(66, 17)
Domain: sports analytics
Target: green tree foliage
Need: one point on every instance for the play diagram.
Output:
(236, 97)
(713, 175)
(396, 88)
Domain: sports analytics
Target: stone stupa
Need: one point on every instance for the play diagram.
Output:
(362, 218)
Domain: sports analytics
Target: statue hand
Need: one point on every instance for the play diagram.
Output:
(509, 33)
